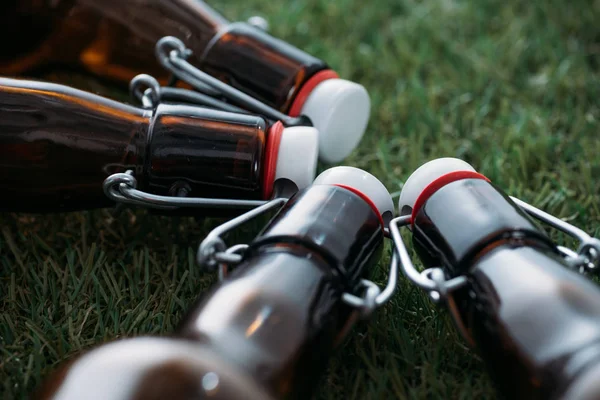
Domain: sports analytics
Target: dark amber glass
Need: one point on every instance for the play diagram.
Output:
(115, 39)
(535, 321)
(260, 65)
(58, 144)
(280, 314)
(272, 324)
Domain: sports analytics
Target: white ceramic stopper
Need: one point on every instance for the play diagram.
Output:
(363, 182)
(424, 175)
(297, 155)
(339, 109)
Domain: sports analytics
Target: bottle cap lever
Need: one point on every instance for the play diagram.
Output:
(147, 90)
(587, 256)
(122, 188)
(585, 259)
(172, 53)
(213, 252)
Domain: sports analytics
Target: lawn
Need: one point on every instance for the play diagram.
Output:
(512, 87)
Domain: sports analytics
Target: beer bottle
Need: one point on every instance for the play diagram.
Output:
(58, 145)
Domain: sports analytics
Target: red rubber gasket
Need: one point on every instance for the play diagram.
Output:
(438, 184)
(365, 198)
(271, 154)
(307, 89)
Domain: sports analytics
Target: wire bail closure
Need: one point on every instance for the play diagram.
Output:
(122, 188)
(587, 256)
(147, 90)
(433, 280)
(213, 254)
(172, 54)
(373, 297)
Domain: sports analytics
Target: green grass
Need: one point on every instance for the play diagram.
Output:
(513, 87)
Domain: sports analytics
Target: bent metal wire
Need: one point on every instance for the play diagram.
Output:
(214, 253)
(122, 188)
(172, 54)
(148, 91)
(584, 260)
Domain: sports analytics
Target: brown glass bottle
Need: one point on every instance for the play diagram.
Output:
(58, 144)
(535, 321)
(115, 39)
(269, 328)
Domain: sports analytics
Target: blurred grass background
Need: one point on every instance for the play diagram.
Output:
(510, 86)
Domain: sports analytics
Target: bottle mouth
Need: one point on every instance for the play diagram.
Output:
(363, 184)
(429, 178)
(338, 108)
(307, 88)
(291, 154)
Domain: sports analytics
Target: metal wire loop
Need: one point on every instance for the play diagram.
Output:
(170, 48)
(236, 254)
(172, 54)
(437, 276)
(587, 256)
(212, 253)
(146, 89)
(122, 188)
(373, 296)
(116, 184)
(591, 248)
(368, 302)
(207, 251)
(169, 44)
(212, 250)
(432, 280)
